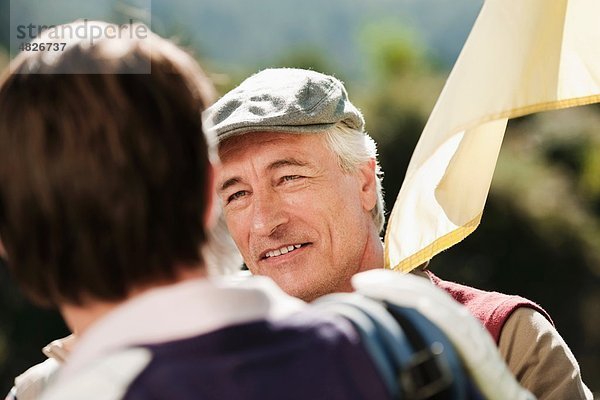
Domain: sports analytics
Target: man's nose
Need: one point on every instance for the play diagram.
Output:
(268, 213)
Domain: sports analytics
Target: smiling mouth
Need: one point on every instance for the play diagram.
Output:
(283, 250)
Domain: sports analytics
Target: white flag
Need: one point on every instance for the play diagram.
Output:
(522, 56)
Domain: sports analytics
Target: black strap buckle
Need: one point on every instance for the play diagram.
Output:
(426, 374)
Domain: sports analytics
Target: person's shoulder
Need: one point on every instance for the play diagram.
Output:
(108, 378)
(528, 335)
(492, 308)
(303, 355)
(30, 384)
(530, 322)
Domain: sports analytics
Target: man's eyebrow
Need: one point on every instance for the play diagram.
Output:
(285, 162)
(229, 182)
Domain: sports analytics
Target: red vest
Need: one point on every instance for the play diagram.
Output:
(491, 308)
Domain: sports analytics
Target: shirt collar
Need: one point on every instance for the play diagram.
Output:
(178, 311)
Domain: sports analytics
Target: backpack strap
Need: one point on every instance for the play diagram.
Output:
(483, 365)
(436, 368)
(414, 358)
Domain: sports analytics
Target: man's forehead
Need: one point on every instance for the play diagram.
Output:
(279, 143)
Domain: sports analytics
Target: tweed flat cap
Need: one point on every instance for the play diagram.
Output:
(282, 99)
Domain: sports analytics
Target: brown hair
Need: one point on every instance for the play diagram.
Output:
(103, 177)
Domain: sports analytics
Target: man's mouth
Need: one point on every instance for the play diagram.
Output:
(283, 250)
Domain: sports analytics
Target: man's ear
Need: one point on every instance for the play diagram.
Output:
(368, 184)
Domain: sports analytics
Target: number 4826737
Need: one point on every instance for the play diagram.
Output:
(42, 46)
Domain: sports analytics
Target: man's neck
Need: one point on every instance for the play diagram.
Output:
(79, 318)
(373, 254)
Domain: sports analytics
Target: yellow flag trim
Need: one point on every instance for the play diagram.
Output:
(439, 245)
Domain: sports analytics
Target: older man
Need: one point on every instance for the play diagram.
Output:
(301, 192)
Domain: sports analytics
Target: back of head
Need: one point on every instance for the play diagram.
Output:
(104, 176)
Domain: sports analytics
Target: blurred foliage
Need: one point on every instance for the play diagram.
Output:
(4, 23)
(238, 34)
(392, 49)
(306, 57)
(540, 233)
(3, 59)
(24, 330)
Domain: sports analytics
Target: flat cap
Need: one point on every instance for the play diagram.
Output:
(282, 99)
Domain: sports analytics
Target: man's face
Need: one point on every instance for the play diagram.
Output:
(294, 214)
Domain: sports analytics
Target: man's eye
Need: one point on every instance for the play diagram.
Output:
(236, 195)
(288, 178)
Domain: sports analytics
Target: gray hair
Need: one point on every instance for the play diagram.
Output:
(353, 148)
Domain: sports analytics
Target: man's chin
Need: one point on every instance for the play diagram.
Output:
(306, 290)
(304, 295)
